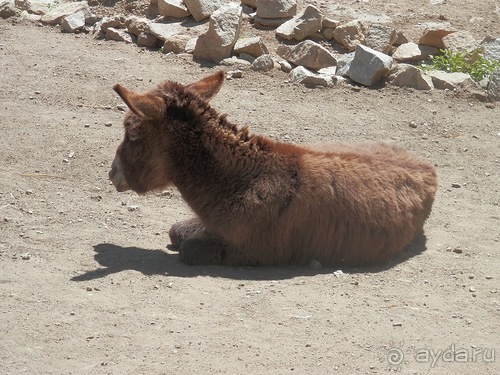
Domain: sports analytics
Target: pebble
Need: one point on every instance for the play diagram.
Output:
(413, 124)
(456, 185)
(397, 324)
(472, 289)
(108, 124)
(26, 256)
(457, 250)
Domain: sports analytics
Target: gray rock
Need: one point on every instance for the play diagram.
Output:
(73, 23)
(163, 31)
(223, 31)
(251, 46)
(203, 9)
(380, 37)
(308, 54)
(460, 41)
(491, 48)
(413, 52)
(434, 32)
(344, 64)
(350, 34)
(443, 80)
(263, 63)
(56, 14)
(276, 8)
(119, 35)
(310, 79)
(369, 66)
(406, 75)
(493, 90)
(173, 8)
(327, 33)
(306, 24)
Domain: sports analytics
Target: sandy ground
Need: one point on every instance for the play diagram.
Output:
(87, 285)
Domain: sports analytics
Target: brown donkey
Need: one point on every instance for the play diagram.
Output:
(261, 202)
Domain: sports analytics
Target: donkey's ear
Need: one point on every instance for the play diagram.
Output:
(143, 105)
(208, 86)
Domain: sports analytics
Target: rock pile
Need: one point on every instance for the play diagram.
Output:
(375, 53)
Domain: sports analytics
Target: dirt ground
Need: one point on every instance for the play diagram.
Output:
(87, 285)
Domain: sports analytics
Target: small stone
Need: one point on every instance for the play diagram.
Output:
(108, 124)
(488, 277)
(66, 160)
(458, 251)
(472, 289)
(471, 276)
(456, 185)
(413, 124)
(26, 256)
(397, 324)
(87, 125)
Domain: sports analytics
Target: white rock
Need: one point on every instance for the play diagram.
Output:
(413, 52)
(460, 41)
(434, 32)
(203, 9)
(56, 14)
(252, 46)
(173, 8)
(223, 31)
(73, 23)
(306, 24)
(310, 79)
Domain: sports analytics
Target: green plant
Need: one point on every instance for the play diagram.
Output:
(472, 63)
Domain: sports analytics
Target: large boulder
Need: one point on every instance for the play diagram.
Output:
(491, 48)
(461, 41)
(223, 32)
(380, 37)
(444, 80)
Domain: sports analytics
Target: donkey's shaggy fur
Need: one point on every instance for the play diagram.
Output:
(261, 202)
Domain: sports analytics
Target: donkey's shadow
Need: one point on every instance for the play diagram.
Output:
(115, 259)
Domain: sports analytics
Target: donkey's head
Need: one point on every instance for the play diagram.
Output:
(140, 163)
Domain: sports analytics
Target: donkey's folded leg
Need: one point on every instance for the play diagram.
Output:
(184, 230)
(204, 250)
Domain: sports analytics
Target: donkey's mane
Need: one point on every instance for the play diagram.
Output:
(197, 112)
